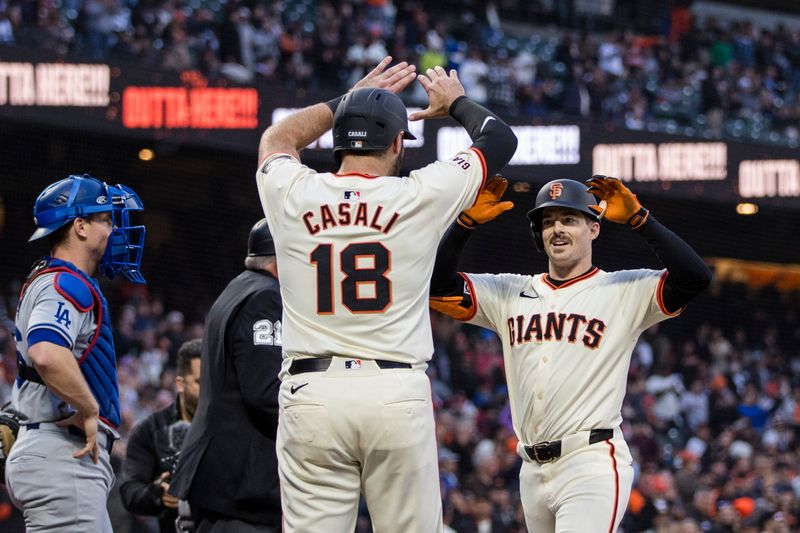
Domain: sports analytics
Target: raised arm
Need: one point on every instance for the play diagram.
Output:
(300, 129)
(490, 135)
(447, 286)
(687, 275)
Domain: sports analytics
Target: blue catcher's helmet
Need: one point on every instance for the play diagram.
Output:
(81, 196)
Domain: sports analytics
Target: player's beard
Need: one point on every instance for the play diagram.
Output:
(189, 404)
(397, 165)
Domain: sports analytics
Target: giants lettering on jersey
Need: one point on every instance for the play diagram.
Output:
(556, 327)
(349, 214)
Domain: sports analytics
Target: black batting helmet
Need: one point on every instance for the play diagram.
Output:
(560, 193)
(368, 120)
(260, 240)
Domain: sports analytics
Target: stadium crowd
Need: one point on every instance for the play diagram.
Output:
(694, 77)
(712, 413)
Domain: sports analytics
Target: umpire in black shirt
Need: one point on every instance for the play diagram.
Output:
(228, 470)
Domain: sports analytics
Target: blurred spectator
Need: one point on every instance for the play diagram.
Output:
(694, 77)
(155, 443)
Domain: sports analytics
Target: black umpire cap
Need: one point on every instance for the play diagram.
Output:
(260, 240)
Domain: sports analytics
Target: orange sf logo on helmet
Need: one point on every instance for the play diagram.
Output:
(555, 190)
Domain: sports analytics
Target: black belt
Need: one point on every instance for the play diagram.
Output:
(545, 452)
(321, 364)
(29, 373)
(78, 432)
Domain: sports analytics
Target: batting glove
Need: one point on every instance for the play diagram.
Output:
(617, 202)
(488, 205)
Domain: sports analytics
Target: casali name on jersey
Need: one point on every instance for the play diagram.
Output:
(349, 214)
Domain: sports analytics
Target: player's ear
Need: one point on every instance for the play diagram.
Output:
(79, 226)
(180, 384)
(397, 145)
(594, 230)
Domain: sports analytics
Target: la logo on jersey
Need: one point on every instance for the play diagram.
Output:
(62, 315)
(555, 190)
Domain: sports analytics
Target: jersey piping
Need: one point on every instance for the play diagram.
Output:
(473, 309)
(483, 174)
(355, 175)
(573, 281)
(660, 296)
(611, 451)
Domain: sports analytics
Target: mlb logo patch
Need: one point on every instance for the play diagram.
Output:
(356, 144)
(352, 364)
(353, 196)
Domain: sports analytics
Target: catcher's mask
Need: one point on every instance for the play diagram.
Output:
(368, 120)
(81, 196)
(559, 193)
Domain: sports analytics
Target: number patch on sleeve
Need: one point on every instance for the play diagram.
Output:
(267, 333)
(461, 162)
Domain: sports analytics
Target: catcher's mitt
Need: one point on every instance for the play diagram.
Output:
(9, 429)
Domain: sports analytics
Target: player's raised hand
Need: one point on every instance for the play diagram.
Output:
(393, 79)
(88, 424)
(617, 202)
(442, 88)
(488, 205)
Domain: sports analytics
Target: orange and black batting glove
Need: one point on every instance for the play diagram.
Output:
(458, 307)
(488, 205)
(617, 202)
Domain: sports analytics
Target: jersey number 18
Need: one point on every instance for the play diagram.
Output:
(363, 264)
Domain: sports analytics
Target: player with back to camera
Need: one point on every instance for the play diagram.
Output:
(58, 472)
(356, 250)
(567, 338)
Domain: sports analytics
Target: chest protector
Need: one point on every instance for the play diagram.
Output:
(98, 362)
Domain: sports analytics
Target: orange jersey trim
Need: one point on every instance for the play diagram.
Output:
(660, 296)
(355, 175)
(616, 485)
(473, 310)
(261, 164)
(573, 281)
(483, 175)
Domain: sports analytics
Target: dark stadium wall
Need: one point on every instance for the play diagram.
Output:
(200, 203)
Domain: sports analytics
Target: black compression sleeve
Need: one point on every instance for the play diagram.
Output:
(333, 104)
(445, 280)
(688, 274)
(488, 132)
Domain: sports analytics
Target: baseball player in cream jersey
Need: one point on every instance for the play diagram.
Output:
(58, 472)
(356, 251)
(567, 339)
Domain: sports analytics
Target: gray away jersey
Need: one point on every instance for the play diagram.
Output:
(42, 307)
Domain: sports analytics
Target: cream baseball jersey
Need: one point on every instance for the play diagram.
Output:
(567, 348)
(45, 309)
(355, 253)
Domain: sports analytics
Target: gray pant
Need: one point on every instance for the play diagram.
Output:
(55, 491)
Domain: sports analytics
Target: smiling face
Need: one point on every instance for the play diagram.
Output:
(568, 235)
